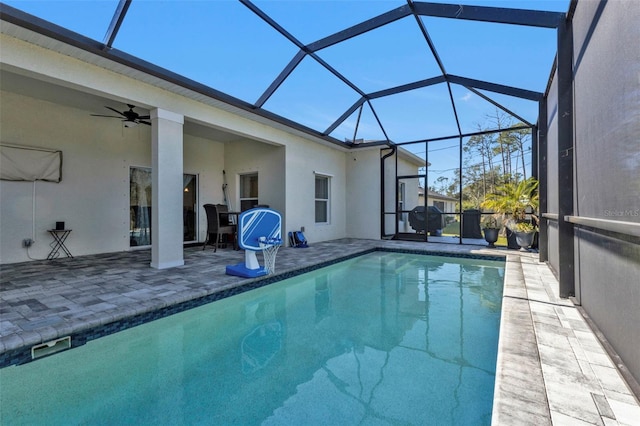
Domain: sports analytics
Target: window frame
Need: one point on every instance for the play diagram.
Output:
(241, 186)
(326, 201)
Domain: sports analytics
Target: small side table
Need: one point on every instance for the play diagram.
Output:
(59, 237)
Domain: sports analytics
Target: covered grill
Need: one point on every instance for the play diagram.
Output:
(419, 218)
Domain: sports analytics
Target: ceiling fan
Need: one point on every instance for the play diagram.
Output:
(130, 118)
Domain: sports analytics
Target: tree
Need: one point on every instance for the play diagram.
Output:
(514, 200)
(495, 158)
(519, 138)
(483, 145)
(442, 185)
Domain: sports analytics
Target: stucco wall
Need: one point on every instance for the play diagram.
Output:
(93, 196)
(205, 158)
(363, 193)
(245, 157)
(303, 160)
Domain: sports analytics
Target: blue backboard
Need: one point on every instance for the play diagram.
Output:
(256, 223)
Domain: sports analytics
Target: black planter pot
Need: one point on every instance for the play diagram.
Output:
(511, 240)
(491, 236)
(535, 241)
(524, 240)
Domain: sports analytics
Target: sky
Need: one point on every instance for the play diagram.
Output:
(224, 45)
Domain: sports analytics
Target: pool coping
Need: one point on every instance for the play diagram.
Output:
(551, 367)
(519, 393)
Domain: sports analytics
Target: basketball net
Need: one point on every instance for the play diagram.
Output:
(270, 248)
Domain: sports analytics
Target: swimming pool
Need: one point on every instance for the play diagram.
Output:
(386, 337)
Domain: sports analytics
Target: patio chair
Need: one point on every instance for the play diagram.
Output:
(218, 225)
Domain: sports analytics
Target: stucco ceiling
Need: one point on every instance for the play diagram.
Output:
(92, 104)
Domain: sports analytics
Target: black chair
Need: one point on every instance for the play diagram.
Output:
(218, 225)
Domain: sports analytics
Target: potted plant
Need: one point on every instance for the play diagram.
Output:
(491, 229)
(516, 204)
(525, 232)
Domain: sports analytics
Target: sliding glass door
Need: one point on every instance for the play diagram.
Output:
(190, 208)
(140, 207)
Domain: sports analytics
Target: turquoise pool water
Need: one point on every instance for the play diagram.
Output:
(386, 338)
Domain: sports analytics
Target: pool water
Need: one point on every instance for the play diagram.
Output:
(385, 338)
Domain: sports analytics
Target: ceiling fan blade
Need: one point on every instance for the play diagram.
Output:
(116, 111)
(109, 116)
(144, 117)
(144, 122)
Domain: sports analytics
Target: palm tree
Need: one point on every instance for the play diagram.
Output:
(514, 201)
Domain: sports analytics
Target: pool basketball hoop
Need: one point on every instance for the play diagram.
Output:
(259, 229)
(269, 250)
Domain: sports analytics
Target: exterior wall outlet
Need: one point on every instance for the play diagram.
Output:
(27, 242)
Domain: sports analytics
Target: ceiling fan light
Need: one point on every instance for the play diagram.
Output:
(130, 123)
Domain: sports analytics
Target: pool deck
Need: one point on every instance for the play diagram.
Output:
(551, 367)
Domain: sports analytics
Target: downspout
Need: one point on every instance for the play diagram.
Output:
(382, 182)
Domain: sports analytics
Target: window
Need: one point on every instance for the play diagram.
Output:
(322, 199)
(248, 191)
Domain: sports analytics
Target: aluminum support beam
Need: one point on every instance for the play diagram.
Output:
(566, 273)
(375, 115)
(493, 87)
(503, 108)
(116, 22)
(427, 38)
(304, 50)
(531, 18)
(281, 78)
(630, 229)
(534, 153)
(465, 135)
(380, 94)
(361, 28)
(406, 87)
(543, 179)
(345, 115)
(266, 18)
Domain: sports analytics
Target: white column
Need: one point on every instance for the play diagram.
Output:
(166, 184)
